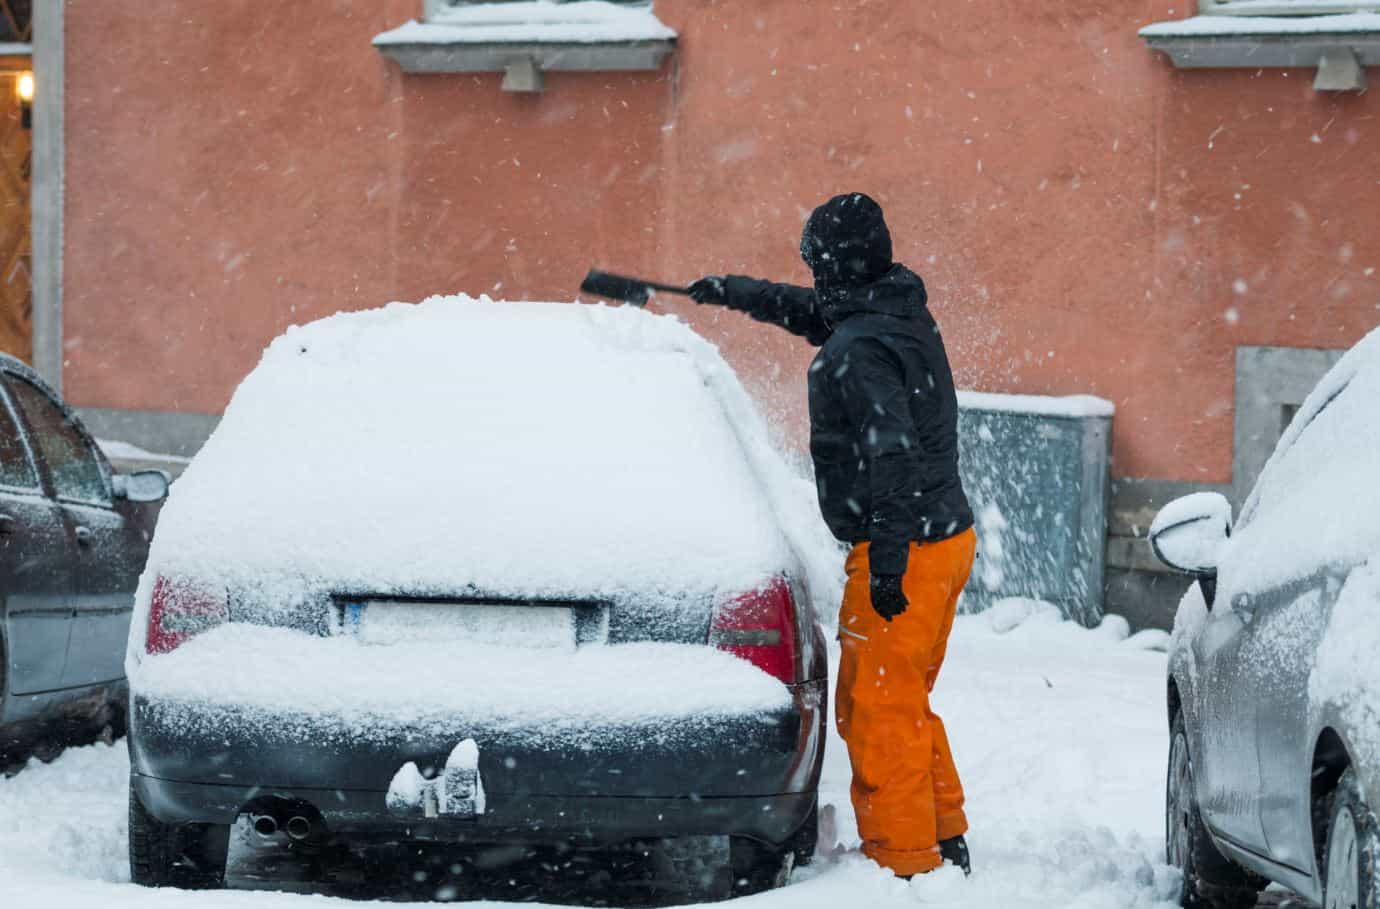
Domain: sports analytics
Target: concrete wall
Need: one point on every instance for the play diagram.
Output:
(1088, 218)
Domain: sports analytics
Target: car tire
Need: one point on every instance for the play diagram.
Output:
(806, 839)
(1210, 880)
(759, 867)
(187, 856)
(120, 720)
(1351, 850)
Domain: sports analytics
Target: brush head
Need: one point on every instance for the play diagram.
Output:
(616, 287)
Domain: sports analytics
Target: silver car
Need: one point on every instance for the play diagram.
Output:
(1274, 685)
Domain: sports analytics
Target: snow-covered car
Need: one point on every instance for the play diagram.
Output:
(1274, 685)
(489, 573)
(72, 544)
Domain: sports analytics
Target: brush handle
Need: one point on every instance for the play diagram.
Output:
(667, 288)
(622, 287)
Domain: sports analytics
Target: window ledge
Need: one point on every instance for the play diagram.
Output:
(1340, 46)
(532, 38)
(1252, 42)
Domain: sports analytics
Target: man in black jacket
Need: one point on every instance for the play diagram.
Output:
(884, 439)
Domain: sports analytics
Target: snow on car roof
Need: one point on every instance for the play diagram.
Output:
(1317, 501)
(516, 448)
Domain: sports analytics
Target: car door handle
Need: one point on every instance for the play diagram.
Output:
(8, 524)
(84, 536)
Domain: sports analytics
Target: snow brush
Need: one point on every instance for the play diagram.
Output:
(633, 291)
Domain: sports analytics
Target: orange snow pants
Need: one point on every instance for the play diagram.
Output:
(906, 790)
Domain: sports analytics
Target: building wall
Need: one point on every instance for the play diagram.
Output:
(1089, 219)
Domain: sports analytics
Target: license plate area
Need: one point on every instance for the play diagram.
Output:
(542, 625)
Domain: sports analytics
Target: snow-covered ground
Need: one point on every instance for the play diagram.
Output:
(1059, 732)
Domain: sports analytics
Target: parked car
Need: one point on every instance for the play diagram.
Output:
(1274, 682)
(71, 549)
(482, 573)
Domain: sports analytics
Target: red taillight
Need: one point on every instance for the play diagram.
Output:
(181, 610)
(759, 626)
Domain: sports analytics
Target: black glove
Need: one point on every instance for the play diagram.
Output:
(709, 291)
(888, 597)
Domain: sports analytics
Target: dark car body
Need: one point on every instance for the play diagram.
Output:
(71, 551)
(219, 731)
(753, 776)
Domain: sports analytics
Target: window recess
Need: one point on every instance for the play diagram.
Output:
(1337, 39)
(525, 38)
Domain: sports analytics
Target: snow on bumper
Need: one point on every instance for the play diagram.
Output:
(457, 792)
(347, 690)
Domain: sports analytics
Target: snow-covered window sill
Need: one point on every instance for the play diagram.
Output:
(525, 39)
(1338, 46)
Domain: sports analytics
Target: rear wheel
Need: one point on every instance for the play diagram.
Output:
(758, 867)
(1210, 880)
(807, 838)
(189, 856)
(1353, 846)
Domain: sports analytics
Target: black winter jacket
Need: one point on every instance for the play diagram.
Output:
(883, 411)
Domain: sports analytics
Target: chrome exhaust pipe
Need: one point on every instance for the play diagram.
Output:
(265, 825)
(298, 828)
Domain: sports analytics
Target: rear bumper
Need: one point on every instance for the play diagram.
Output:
(588, 820)
(752, 775)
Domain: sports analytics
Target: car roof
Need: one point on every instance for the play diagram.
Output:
(1363, 357)
(1316, 503)
(12, 364)
(526, 448)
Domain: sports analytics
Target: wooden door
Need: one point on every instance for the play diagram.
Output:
(15, 249)
(16, 307)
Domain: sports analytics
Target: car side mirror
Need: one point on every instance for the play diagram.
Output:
(1189, 533)
(143, 486)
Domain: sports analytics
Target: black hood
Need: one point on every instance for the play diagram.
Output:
(899, 292)
(846, 242)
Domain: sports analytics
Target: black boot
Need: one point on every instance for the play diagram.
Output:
(955, 851)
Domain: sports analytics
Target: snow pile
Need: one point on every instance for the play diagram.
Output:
(1227, 26)
(458, 790)
(1009, 613)
(518, 449)
(279, 679)
(1059, 734)
(1149, 639)
(533, 22)
(1316, 503)
(63, 824)
(1069, 406)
